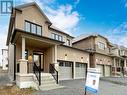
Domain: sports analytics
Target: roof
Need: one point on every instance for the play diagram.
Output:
(75, 48)
(115, 46)
(32, 4)
(34, 35)
(59, 30)
(84, 36)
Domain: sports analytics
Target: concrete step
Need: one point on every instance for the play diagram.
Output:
(47, 82)
(46, 74)
(45, 78)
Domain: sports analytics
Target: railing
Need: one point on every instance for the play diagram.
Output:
(37, 72)
(54, 72)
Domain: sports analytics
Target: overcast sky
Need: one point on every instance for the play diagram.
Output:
(77, 17)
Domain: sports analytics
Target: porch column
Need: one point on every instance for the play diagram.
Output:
(23, 48)
(55, 58)
(114, 62)
(125, 63)
(23, 62)
(74, 70)
(120, 65)
(55, 55)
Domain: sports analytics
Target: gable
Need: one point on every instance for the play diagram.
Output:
(31, 13)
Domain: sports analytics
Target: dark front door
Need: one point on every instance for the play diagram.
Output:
(38, 60)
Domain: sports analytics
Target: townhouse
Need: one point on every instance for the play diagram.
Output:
(40, 54)
(39, 51)
(119, 55)
(110, 58)
(99, 48)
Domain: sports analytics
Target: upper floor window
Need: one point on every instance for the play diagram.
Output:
(101, 45)
(33, 28)
(68, 42)
(57, 37)
(27, 26)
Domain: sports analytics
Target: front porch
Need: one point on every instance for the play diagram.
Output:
(33, 56)
(119, 67)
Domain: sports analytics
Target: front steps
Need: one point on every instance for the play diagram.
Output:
(48, 82)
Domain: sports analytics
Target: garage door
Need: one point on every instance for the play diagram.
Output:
(65, 70)
(101, 67)
(80, 70)
(107, 70)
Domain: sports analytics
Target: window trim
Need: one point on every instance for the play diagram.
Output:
(68, 40)
(54, 36)
(100, 47)
(31, 27)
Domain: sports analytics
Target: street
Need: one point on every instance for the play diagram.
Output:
(75, 87)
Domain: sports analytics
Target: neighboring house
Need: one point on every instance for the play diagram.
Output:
(119, 54)
(4, 59)
(99, 48)
(38, 48)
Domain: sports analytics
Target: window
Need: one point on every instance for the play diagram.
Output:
(33, 28)
(57, 37)
(101, 45)
(67, 64)
(53, 35)
(39, 30)
(81, 65)
(77, 65)
(61, 64)
(68, 42)
(60, 38)
(27, 26)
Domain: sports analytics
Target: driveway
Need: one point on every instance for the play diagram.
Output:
(76, 87)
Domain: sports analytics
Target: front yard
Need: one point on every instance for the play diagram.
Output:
(14, 90)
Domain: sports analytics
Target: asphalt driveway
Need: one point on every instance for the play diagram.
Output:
(76, 87)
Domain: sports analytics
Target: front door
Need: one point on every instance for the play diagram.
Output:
(38, 60)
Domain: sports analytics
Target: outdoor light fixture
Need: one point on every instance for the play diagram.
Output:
(30, 58)
(65, 56)
(81, 59)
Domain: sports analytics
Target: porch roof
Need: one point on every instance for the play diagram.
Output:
(18, 33)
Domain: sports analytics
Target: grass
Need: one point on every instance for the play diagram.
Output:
(14, 90)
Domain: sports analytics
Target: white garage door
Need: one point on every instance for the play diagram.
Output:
(101, 67)
(80, 70)
(65, 70)
(107, 70)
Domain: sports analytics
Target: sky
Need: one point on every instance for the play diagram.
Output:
(77, 17)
